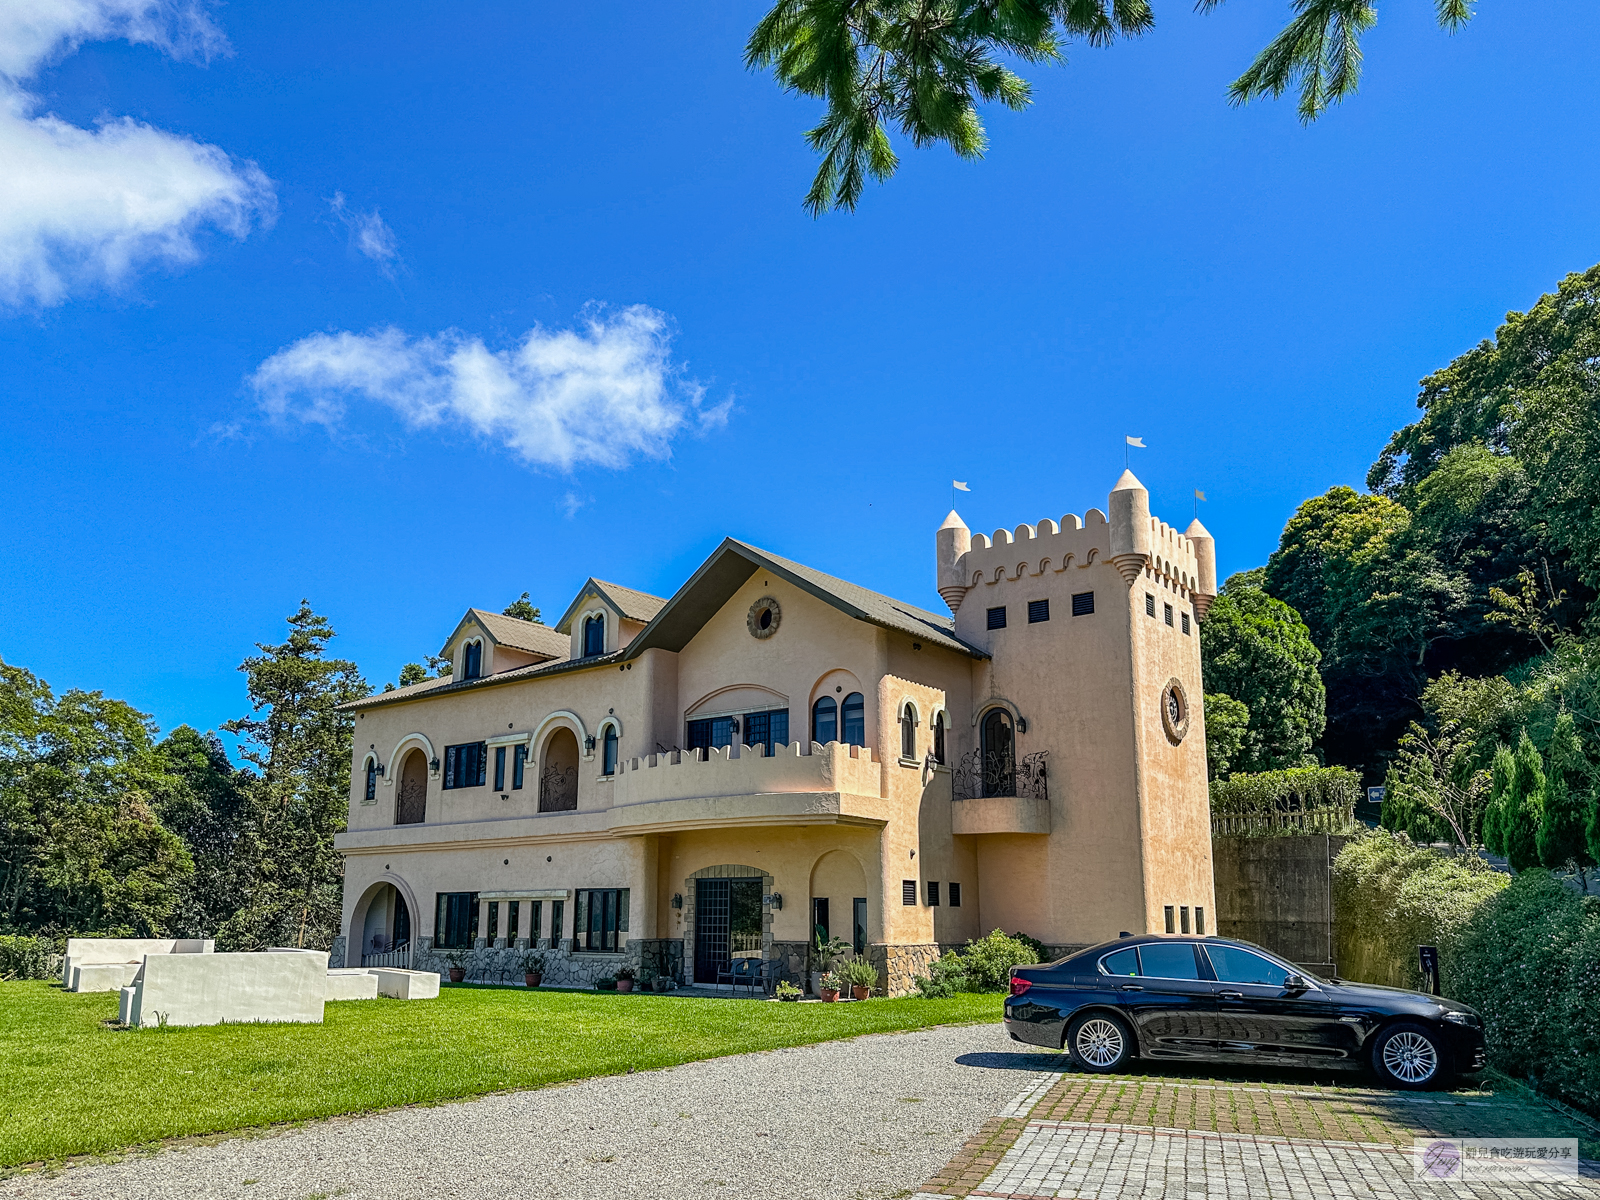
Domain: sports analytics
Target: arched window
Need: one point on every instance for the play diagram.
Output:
(608, 759)
(938, 737)
(908, 732)
(594, 635)
(372, 779)
(472, 661)
(853, 716)
(825, 721)
(999, 754)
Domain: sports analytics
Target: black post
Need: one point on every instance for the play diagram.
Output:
(1428, 956)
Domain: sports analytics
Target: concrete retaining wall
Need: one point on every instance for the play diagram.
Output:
(208, 989)
(1278, 893)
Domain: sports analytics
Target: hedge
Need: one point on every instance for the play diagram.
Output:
(24, 957)
(1523, 951)
(1277, 803)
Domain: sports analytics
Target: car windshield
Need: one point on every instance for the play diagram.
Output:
(1168, 960)
(1234, 965)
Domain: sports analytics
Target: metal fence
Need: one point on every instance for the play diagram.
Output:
(977, 775)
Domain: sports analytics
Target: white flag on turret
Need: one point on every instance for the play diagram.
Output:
(959, 486)
(1139, 442)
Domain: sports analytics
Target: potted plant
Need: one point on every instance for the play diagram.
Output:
(829, 988)
(862, 977)
(606, 984)
(787, 991)
(663, 983)
(457, 960)
(625, 977)
(825, 951)
(532, 967)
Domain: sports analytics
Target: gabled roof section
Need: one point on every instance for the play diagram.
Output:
(632, 604)
(732, 564)
(447, 683)
(515, 633)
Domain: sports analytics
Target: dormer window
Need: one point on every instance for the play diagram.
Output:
(472, 661)
(594, 635)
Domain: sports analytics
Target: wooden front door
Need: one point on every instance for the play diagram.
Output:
(411, 804)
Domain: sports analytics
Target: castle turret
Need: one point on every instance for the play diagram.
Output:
(1205, 561)
(1130, 527)
(952, 541)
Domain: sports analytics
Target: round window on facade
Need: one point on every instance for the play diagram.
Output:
(764, 617)
(1174, 711)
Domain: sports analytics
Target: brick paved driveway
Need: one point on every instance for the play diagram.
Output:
(1246, 1136)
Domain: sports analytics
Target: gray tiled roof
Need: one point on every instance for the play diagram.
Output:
(523, 635)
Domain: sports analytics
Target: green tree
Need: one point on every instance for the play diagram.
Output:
(1522, 810)
(211, 806)
(522, 608)
(299, 741)
(1563, 839)
(1227, 725)
(1256, 650)
(412, 673)
(1501, 774)
(81, 849)
(923, 66)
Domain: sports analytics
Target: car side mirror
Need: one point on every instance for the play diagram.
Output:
(1295, 983)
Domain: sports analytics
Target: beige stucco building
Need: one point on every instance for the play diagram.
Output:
(678, 782)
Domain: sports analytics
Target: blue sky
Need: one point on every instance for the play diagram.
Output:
(205, 420)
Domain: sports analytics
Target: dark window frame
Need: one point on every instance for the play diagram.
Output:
(995, 618)
(908, 732)
(451, 911)
(608, 751)
(1083, 604)
(853, 720)
(519, 767)
(594, 635)
(610, 906)
(472, 660)
(371, 792)
(939, 737)
(465, 770)
(1038, 611)
(832, 717)
(954, 894)
(858, 924)
(933, 893)
(499, 768)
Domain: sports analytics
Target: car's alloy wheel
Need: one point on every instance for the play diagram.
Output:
(1098, 1043)
(1408, 1057)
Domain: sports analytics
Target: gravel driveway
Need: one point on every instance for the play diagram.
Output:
(870, 1117)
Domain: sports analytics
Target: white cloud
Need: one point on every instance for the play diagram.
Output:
(81, 207)
(600, 395)
(368, 234)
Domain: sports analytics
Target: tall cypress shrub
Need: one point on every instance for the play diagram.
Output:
(1500, 775)
(1523, 809)
(1564, 830)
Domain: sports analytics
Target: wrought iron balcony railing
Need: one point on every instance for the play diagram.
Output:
(977, 775)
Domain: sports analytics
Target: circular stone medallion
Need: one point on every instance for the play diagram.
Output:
(1174, 711)
(764, 617)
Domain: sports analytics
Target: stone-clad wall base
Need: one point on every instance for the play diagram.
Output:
(899, 965)
(502, 964)
(793, 957)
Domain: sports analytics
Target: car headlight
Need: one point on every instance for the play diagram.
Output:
(1460, 1018)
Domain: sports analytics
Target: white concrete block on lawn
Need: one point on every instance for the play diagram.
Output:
(84, 952)
(207, 989)
(102, 977)
(352, 983)
(399, 984)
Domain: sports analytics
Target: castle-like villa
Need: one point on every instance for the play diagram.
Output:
(675, 783)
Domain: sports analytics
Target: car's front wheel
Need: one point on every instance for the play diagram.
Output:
(1099, 1042)
(1409, 1056)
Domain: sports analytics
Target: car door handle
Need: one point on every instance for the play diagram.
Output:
(1132, 987)
(1230, 995)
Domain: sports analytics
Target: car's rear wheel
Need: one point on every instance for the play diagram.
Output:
(1410, 1057)
(1099, 1042)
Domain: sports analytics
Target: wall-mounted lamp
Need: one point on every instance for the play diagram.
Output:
(588, 744)
(735, 723)
(433, 764)
(677, 899)
(776, 900)
(379, 765)
(1022, 724)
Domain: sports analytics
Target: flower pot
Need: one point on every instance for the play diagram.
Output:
(860, 993)
(532, 978)
(457, 974)
(829, 995)
(816, 983)
(624, 985)
(661, 983)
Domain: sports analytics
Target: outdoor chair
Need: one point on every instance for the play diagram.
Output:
(770, 974)
(740, 970)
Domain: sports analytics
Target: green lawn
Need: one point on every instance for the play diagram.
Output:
(70, 1085)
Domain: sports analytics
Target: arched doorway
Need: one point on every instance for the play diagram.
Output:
(558, 781)
(386, 929)
(999, 754)
(411, 801)
(839, 900)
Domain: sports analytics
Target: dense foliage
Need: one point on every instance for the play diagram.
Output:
(24, 958)
(1299, 800)
(104, 831)
(980, 966)
(1523, 951)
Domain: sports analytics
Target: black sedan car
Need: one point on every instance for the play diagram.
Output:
(1220, 1000)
